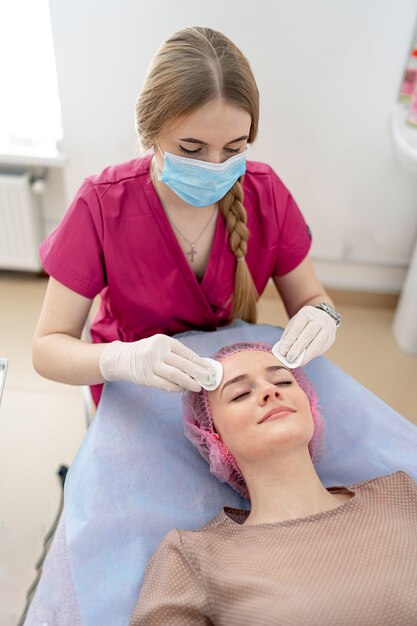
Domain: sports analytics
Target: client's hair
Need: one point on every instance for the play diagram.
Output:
(200, 429)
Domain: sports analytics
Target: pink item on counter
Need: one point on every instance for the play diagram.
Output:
(412, 115)
(410, 76)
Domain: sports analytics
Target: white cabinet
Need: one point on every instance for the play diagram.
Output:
(405, 319)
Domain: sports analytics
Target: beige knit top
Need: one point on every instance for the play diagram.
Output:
(354, 565)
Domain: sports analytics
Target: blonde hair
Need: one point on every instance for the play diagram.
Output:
(192, 67)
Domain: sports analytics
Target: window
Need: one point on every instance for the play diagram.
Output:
(30, 116)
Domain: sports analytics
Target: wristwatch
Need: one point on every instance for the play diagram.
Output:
(331, 311)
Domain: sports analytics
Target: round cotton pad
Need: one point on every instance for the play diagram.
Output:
(216, 379)
(292, 364)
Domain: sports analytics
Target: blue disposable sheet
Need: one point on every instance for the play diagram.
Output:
(136, 476)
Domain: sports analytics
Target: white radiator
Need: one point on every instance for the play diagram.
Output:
(20, 223)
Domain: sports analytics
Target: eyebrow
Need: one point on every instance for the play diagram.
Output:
(204, 143)
(238, 379)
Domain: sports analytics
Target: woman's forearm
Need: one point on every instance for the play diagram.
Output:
(300, 287)
(321, 296)
(66, 359)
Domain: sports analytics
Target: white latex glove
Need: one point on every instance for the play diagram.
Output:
(158, 361)
(312, 330)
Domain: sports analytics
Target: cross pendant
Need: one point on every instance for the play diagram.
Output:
(192, 252)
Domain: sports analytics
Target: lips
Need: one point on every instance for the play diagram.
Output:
(278, 411)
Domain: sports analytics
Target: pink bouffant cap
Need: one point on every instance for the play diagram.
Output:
(200, 430)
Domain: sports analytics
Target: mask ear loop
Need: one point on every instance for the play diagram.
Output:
(158, 171)
(159, 148)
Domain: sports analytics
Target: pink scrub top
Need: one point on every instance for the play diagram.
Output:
(115, 240)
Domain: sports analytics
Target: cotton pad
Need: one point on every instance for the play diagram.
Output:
(292, 364)
(216, 378)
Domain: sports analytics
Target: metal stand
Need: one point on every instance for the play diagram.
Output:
(47, 542)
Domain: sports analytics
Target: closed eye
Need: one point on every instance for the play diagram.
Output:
(196, 151)
(246, 393)
(240, 396)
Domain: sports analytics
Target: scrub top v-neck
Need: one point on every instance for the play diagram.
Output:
(116, 240)
(178, 256)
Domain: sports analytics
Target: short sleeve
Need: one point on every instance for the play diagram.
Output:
(73, 252)
(172, 593)
(294, 240)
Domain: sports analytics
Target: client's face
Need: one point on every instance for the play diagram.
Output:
(259, 408)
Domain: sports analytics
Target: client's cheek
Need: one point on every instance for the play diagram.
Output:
(229, 430)
(218, 423)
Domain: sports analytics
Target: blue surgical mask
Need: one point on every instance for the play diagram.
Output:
(201, 183)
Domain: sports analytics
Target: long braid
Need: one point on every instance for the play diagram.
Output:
(234, 214)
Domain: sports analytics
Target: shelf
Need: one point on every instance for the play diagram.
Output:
(31, 156)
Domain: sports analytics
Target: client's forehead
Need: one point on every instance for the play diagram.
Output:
(247, 361)
(245, 365)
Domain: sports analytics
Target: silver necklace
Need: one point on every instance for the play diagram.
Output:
(192, 252)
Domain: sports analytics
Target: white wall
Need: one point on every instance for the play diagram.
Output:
(328, 73)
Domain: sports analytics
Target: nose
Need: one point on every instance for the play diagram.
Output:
(268, 392)
(216, 156)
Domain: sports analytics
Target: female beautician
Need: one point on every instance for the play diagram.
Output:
(183, 238)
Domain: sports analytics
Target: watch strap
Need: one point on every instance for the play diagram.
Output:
(330, 311)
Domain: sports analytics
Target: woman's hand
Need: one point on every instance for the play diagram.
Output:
(312, 330)
(159, 361)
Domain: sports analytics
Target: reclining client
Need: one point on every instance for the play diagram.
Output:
(303, 553)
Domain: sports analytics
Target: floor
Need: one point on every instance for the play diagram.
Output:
(42, 422)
